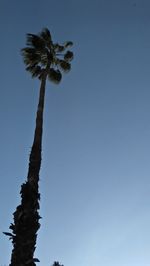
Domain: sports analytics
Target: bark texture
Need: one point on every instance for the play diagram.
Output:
(26, 217)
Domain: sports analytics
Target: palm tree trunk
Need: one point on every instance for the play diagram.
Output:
(35, 155)
(26, 216)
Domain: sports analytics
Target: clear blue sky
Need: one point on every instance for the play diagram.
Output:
(95, 176)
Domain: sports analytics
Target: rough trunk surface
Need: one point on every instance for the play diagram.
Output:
(26, 217)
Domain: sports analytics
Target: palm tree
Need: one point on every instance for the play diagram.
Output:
(43, 59)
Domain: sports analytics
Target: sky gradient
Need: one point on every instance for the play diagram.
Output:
(95, 175)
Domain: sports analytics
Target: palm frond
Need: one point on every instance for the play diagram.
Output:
(65, 66)
(68, 44)
(44, 60)
(30, 56)
(34, 70)
(58, 48)
(54, 75)
(68, 56)
(45, 34)
(35, 41)
(31, 67)
(28, 50)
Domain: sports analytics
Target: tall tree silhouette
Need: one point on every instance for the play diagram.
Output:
(43, 59)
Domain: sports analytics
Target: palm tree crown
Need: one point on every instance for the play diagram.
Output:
(42, 54)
